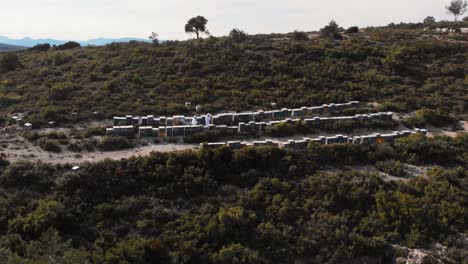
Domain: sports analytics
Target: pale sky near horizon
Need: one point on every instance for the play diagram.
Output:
(86, 19)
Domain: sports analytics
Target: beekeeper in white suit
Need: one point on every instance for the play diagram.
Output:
(194, 120)
(208, 119)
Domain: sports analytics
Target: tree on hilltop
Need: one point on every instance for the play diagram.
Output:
(457, 8)
(238, 35)
(429, 20)
(197, 25)
(154, 37)
(331, 30)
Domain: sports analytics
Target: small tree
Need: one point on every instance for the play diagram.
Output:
(197, 25)
(331, 30)
(457, 8)
(238, 35)
(429, 20)
(154, 38)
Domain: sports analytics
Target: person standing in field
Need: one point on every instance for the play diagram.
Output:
(208, 119)
(194, 120)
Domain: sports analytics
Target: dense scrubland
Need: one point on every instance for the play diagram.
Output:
(403, 67)
(252, 205)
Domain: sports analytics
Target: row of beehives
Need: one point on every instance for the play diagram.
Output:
(232, 118)
(338, 139)
(314, 122)
(187, 130)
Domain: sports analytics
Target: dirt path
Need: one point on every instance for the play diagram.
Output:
(14, 147)
(36, 154)
(118, 155)
(464, 125)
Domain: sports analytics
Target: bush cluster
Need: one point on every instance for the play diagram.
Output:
(49, 145)
(109, 143)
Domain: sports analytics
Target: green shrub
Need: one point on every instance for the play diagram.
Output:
(352, 30)
(55, 135)
(9, 61)
(110, 143)
(49, 113)
(391, 167)
(299, 35)
(9, 99)
(62, 58)
(331, 30)
(94, 131)
(82, 145)
(24, 174)
(31, 136)
(60, 91)
(75, 147)
(346, 126)
(281, 130)
(89, 144)
(209, 136)
(111, 86)
(238, 35)
(49, 145)
(338, 153)
(419, 149)
(435, 117)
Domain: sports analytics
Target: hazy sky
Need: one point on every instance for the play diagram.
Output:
(85, 19)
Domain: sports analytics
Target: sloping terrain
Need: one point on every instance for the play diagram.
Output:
(255, 205)
(7, 47)
(392, 202)
(402, 69)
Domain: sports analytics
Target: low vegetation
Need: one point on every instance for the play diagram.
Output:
(248, 205)
(211, 136)
(49, 145)
(425, 117)
(404, 67)
(259, 205)
(108, 143)
(392, 167)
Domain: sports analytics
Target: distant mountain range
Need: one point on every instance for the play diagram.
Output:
(29, 42)
(7, 47)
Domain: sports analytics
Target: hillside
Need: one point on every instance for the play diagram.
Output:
(7, 47)
(263, 187)
(402, 68)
